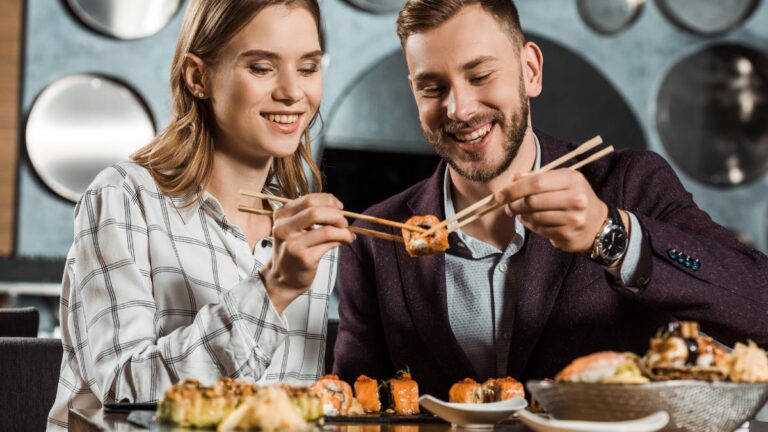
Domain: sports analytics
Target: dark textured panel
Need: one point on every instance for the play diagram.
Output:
(29, 371)
(363, 178)
(31, 270)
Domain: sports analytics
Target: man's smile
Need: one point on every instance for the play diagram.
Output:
(473, 140)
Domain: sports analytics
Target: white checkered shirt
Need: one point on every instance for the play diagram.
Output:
(154, 292)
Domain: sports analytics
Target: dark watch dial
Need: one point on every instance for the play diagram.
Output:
(613, 243)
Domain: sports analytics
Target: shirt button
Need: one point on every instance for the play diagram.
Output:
(506, 334)
(642, 281)
(502, 268)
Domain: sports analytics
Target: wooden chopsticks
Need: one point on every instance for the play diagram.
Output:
(354, 229)
(480, 213)
(464, 217)
(487, 205)
(345, 213)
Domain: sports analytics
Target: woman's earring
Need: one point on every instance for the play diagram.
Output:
(201, 95)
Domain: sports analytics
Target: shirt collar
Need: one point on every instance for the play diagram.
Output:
(206, 200)
(477, 248)
(210, 205)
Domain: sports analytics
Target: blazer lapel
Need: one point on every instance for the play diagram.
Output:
(424, 289)
(543, 270)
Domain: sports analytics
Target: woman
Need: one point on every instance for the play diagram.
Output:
(166, 280)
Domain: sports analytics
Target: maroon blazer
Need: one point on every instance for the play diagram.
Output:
(394, 314)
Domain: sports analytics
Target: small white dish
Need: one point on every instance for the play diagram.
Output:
(538, 423)
(472, 415)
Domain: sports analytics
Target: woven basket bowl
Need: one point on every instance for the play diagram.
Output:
(695, 406)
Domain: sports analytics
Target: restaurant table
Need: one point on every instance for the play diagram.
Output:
(83, 420)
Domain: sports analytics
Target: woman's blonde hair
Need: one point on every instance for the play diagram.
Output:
(180, 158)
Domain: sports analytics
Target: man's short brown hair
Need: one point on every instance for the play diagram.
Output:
(418, 16)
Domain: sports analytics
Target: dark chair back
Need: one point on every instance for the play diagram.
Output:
(19, 322)
(330, 342)
(29, 375)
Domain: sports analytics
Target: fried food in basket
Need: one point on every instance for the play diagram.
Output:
(680, 353)
(604, 367)
(404, 394)
(466, 391)
(418, 245)
(746, 364)
(683, 353)
(499, 389)
(367, 393)
(336, 395)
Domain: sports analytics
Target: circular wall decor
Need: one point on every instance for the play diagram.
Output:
(610, 16)
(80, 125)
(125, 19)
(378, 6)
(712, 112)
(708, 17)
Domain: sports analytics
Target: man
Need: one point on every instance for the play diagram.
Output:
(576, 262)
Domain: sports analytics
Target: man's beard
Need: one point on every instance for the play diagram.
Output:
(513, 131)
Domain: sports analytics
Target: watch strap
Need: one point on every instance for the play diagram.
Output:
(613, 214)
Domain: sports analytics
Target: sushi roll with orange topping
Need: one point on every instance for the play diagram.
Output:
(418, 245)
(405, 394)
(336, 395)
(499, 389)
(367, 393)
(466, 391)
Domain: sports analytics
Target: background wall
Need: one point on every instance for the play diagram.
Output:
(634, 62)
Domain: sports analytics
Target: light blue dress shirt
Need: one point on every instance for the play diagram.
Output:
(481, 281)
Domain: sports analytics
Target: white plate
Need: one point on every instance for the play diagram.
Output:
(472, 415)
(651, 423)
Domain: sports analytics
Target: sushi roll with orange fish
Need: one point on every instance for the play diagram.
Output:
(418, 245)
(404, 392)
(367, 393)
(336, 395)
(466, 391)
(499, 389)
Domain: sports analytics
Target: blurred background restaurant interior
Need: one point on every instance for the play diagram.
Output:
(85, 83)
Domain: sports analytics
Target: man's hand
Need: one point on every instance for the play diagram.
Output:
(304, 230)
(559, 205)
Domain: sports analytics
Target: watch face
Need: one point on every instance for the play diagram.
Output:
(613, 243)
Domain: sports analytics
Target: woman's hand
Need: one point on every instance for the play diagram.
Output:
(303, 230)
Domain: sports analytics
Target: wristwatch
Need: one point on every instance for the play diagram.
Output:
(611, 241)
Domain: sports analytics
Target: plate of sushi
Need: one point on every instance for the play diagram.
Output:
(234, 405)
(474, 405)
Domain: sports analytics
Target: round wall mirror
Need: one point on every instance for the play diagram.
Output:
(610, 16)
(712, 112)
(125, 19)
(708, 17)
(80, 125)
(378, 6)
